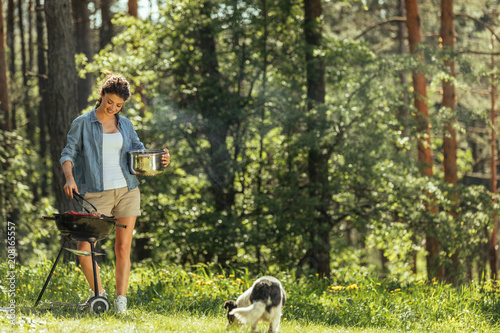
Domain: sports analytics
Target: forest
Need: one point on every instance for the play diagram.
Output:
(314, 136)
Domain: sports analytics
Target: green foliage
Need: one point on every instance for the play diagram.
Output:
(254, 103)
(19, 171)
(224, 87)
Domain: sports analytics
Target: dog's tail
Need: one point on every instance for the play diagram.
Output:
(251, 314)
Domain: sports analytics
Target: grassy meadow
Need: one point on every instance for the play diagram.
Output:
(172, 299)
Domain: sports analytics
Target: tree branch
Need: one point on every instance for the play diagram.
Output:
(478, 52)
(478, 21)
(378, 24)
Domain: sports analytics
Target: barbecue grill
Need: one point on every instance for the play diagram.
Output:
(87, 228)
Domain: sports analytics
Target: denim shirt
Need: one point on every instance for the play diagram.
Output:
(84, 150)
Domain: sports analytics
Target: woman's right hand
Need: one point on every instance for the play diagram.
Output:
(70, 186)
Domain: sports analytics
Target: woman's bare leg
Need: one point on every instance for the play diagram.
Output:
(123, 244)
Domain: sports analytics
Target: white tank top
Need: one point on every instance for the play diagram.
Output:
(112, 171)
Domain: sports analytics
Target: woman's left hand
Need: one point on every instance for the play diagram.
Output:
(165, 158)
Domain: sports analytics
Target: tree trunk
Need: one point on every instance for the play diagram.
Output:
(493, 253)
(419, 85)
(42, 88)
(403, 75)
(449, 96)
(403, 110)
(133, 8)
(449, 104)
(30, 36)
(106, 30)
(315, 64)
(469, 262)
(10, 36)
(434, 268)
(133, 11)
(482, 262)
(214, 110)
(23, 44)
(384, 261)
(317, 160)
(83, 37)
(6, 124)
(12, 47)
(30, 117)
(12, 213)
(414, 256)
(61, 85)
(221, 176)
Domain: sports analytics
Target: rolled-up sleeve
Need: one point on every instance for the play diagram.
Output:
(74, 142)
(136, 142)
(134, 138)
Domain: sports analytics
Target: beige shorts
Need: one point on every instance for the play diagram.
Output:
(118, 202)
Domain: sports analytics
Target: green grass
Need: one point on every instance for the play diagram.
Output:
(172, 299)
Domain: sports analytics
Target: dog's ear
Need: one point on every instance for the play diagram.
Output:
(230, 305)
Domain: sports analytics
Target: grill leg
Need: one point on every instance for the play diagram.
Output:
(51, 271)
(94, 265)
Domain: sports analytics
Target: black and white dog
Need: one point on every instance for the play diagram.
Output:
(263, 301)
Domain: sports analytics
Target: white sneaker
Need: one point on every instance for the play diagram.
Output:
(92, 294)
(120, 304)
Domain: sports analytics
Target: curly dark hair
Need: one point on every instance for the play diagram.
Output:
(114, 84)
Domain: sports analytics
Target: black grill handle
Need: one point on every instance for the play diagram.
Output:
(120, 225)
(76, 195)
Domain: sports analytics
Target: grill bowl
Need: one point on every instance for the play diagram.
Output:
(81, 228)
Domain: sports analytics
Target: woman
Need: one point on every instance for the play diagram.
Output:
(97, 146)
